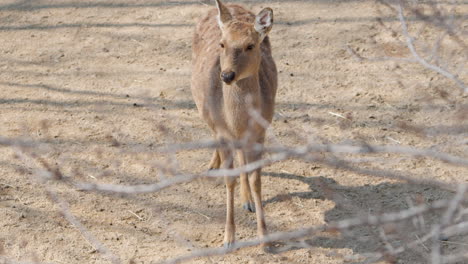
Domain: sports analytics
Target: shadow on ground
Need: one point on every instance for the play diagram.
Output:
(355, 201)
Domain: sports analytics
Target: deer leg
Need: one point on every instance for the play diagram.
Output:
(227, 163)
(246, 197)
(215, 161)
(256, 188)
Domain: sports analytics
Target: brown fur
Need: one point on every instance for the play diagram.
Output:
(224, 107)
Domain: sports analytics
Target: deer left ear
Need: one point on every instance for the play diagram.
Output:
(264, 22)
(223, 14)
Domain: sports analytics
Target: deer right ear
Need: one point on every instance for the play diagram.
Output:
(223, 14)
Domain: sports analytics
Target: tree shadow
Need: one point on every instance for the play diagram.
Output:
(126, 100)
(92, 25)
(355, 201)
(30, 5)
(104, 102)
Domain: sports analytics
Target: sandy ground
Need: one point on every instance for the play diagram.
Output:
(104, 83)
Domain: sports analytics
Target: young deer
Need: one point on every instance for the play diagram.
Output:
(234, 73)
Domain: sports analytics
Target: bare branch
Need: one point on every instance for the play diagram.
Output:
(64, 209)
(422, 61)
(300, 233)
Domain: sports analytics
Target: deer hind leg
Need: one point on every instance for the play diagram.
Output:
(215, 161)
(246, 197)
(256, 188)
(226, 158)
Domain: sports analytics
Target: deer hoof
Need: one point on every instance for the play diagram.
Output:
(269, 248)
(228, 245)
(249, 206)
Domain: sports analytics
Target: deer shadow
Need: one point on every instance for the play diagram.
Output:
(355, 201)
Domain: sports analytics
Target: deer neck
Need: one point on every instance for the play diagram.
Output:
(239, 99)
(243, 93)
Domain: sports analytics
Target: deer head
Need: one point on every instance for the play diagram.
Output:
(240, 43)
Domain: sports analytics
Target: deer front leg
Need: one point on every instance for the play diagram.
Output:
(246, 197)
(256, 188)
(227, 162)
(229, 235)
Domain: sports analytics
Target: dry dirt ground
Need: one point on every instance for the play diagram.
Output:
(102, 84)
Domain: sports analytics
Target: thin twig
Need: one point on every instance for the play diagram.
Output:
(422, 61)
(301, 233)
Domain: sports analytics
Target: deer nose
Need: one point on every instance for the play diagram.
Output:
(228, 76)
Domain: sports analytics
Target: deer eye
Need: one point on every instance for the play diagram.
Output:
(221, 45)
(250, 47)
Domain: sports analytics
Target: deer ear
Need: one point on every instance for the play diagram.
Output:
(223, 14)
(264, 22)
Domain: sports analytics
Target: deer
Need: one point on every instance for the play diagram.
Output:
(233, 74)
